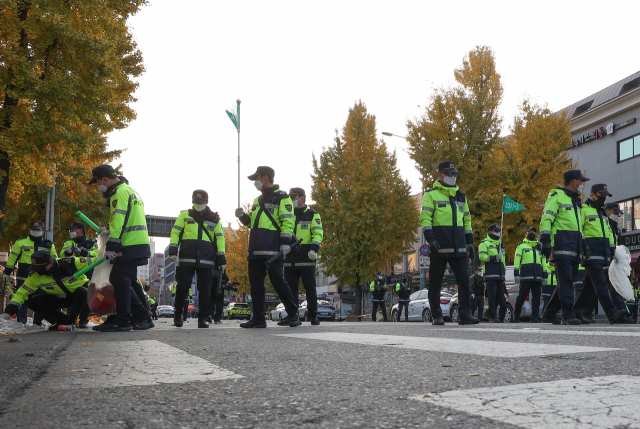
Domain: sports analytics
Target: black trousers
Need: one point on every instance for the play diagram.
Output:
(184, 276)
(49, 306)
(495, 291)
(547, 291)
(477, 304)
(308, 275)
(21, 316)
(123, 275)
(217, 300)
(562, 296)
(536, 292)
(601, 289)
(374, 310)
(257, 274)
(460, 268)
(405, 305)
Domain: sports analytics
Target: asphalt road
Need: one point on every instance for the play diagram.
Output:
(336, 375)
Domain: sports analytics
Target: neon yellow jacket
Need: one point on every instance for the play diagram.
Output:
(196, 247)
(127, 224)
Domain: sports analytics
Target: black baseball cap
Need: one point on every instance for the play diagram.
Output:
(103, 171)
(199, 196)
(76, 225)
(477, 269)
(530, 228)
(573, 175)
(601, 188)
(36, 224)
(297, 192)
(262, 171)
(39, 259)
(448, 167)
(494, 227)
(614, 206)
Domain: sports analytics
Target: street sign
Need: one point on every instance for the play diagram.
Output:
(424, 250)
(425, 262)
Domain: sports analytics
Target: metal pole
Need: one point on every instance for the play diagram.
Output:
(501, 228)
(46, 220)
(238, 168)
(53, 205)
(422, 280)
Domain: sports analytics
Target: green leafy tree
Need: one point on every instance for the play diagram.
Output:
(368, 214)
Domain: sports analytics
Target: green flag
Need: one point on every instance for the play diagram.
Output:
(235, 117)
(508, 205)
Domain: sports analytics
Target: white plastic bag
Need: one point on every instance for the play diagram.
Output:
(100, 294)
(619, 273)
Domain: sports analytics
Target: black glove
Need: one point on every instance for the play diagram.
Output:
(613, 253)
(545, 241)
(69, 251)
(434, 246)
(81, 251)
(585, 250)
(470, 251)
(11, 309)
(8, 271)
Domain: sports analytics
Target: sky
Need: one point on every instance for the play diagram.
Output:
(299, 66)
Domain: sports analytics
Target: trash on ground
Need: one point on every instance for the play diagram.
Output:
(428, 395)
(474, 375)
(85, 344)
(78, 370)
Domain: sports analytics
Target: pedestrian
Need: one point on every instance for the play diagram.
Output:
(272, 222)
(446, 225)
(198, 247)
(127, 248)
(529, 269)
(477, 293)
(378, 288)
(493, 257)
(598, 250)
(403, 290)
(50, 285)
(301, 265)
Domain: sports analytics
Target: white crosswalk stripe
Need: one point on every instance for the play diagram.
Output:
(449, 345)
(546, 331)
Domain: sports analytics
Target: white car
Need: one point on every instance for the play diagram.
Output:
(419, 309)
(165, 311)
(278, 313)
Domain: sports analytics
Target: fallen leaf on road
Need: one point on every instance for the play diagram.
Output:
(207, 373)
(428, 395)
(550, 358)
(204, 349)
(78, 370)
(107, 364)
(474, 375)
(85, 344)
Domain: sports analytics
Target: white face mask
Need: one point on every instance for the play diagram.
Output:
(614, 217)
(73, 234)
(35, 233)
(102, 188)
(199, 207)
(450, 180)
(497, 234)
(295, 204)
(257, 184)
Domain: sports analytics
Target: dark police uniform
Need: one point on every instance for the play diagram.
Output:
(404, 291)
(492, 255)
(477, 295)
(549, 286)
(530, 266)
(378, 291)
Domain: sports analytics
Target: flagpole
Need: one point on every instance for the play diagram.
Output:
(238, 101)
(502, 221)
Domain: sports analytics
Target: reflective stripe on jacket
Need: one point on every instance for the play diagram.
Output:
(529, 263)
(196, 249)
(308, 227)
(562, 220)
(597, 233)
(23, 249)
(127, 223)
(493, 268)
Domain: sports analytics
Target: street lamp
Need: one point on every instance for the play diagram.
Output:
(384, 133)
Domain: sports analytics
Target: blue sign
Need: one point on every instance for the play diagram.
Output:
(424, 250)
(324, 296)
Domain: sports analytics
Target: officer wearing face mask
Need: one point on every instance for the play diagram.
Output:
(378, 288)
(21, 254)
(272, 222)
(446, 225)
(197, 245)
(302, 264)
(493, 258)
(530, 269)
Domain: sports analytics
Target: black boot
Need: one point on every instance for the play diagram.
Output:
(518, 309)
(468, 320)
(202, 323)
(254, 324)
(177, 320)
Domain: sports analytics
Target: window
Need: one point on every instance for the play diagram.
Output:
(630, 218)
(629, 148)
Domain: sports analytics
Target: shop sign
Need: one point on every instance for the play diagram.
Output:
(631, 239)
(600, 132)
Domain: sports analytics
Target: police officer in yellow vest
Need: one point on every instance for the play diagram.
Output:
(302, 264)
(272, 222)
(50, 286)
(198, 234)
(529, 269)
(127, 248)
(493, 256)
(21, 254)
(548, 287)
(446, 225)
(598, 252)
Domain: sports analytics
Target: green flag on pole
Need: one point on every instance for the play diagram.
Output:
(508, 205)
(235, 117)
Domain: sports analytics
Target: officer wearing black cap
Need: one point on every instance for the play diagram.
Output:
(50, 286)
(21, 254)
(613, 211)
(272, 222)
(446, 225)
(198, 246)
(493, 257)
(302, 264)
(530, 271)
(127, 248)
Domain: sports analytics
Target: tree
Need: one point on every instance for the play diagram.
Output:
(66, 70)
(237, 241)
(368, 214)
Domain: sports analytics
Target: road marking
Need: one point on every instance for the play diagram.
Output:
(448, 345)
(588, 403)
(546, 331)
(130, 363)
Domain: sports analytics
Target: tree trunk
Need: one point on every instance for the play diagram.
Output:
(358, 297)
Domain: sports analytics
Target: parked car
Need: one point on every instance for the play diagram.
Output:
(278, 313)
(165, 311)
(325, 310)
(237, 310)
(419, 309)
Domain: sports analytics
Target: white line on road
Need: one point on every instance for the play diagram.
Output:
(447, 345)
(589, 403)
(545, 331)
(128, 363)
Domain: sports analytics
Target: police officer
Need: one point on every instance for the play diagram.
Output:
(127, 248)
(403, 290)
(529, 269)
(302, 264)
(598, 251)
(21, 254)
(446, 225)
(548, 287)
(561, 239)
(50, 285)
(198, 234)
(492, 255)
(272, 222)
(378, 288)
(154, 308)
(181, 315)
(477, 293)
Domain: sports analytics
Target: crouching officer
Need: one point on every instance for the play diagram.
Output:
(21, 254)
(403, 291)
(302, 264)
(50, 285)
(477, 293)
(529, 269)
(271, 222)
(378, 289)
(493, 257)
(198, 234)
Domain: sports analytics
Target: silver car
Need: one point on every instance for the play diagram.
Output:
(278, 313)
(419, 309)
(165, 311)
(326, 311)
